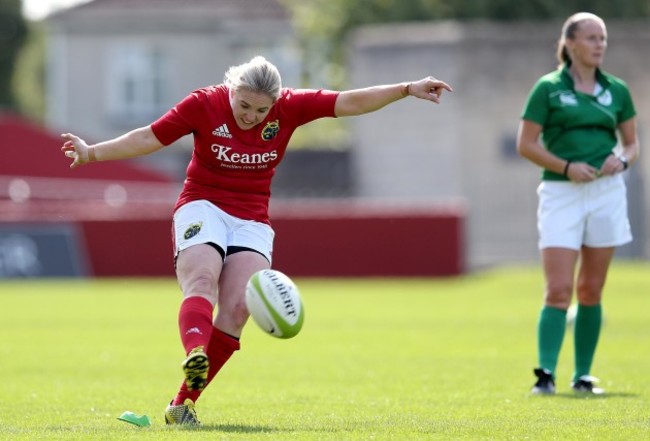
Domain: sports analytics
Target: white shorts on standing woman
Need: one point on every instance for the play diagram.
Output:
(594, 214)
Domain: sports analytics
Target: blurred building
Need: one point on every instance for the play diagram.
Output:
(465, 148)
(114, 65)
(117, 64)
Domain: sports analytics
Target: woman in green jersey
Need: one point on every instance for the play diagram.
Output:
(579, 126)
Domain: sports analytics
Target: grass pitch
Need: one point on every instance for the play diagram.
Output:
(377, 359)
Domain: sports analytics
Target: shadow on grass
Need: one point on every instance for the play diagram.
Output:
(230, 428)
(586, 396)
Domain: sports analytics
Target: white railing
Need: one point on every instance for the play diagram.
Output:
(38, 198)
(114, 193)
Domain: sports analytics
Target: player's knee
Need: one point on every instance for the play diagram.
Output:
(558, 294)
(232, 316)
(590, 289)
(240, 314)
(589, 294)
(200, 282)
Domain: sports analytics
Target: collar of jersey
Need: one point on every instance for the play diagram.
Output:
(601, 78)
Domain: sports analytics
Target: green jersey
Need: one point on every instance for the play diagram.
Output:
(577, 126)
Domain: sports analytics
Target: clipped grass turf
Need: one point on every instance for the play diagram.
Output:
(377, 359)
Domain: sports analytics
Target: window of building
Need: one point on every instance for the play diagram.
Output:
(136, 83)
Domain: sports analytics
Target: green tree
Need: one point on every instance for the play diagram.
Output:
(323, 25)
(29, 75)
(13, 32)
(510, 10)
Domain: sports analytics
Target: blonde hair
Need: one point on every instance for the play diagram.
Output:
(569, 29)
(256, 75)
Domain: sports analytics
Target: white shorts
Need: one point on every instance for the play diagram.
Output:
(593, 214)
(200, 222)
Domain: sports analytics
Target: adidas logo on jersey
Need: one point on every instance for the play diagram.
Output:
(222, 131)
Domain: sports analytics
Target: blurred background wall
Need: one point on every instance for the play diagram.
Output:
(465, 148)
(450, 172)
(130, 61)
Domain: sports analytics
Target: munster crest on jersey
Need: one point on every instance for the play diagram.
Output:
(192, 230)
(270, 130)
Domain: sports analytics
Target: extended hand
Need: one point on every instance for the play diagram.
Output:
(429, 89)
(75, 148)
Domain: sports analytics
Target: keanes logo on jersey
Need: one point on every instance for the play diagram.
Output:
(222, 131)
(226, 154)
(270, 130)
(192, 230)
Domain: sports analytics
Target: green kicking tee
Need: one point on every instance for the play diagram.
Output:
(577, 126)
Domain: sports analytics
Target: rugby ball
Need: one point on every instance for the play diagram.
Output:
(274, 302)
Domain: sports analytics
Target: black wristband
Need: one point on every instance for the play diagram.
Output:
(623, 160)
(566, 168)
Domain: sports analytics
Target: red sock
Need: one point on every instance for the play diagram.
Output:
(220, 349)
(195, 322)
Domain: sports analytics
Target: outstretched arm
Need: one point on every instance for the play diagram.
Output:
(369, 99)
(137, 142)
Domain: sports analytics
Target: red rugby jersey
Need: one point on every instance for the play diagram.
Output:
(230, 167)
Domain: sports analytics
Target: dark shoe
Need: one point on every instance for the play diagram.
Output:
(196, 367)
(545, 383)
(585, 385)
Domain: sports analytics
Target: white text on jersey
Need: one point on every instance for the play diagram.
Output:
(222, 131)
(223, 153)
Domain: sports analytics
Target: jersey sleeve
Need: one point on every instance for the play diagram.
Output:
(537, 105)
(178, 121)
(312, 104)
(627, 109)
